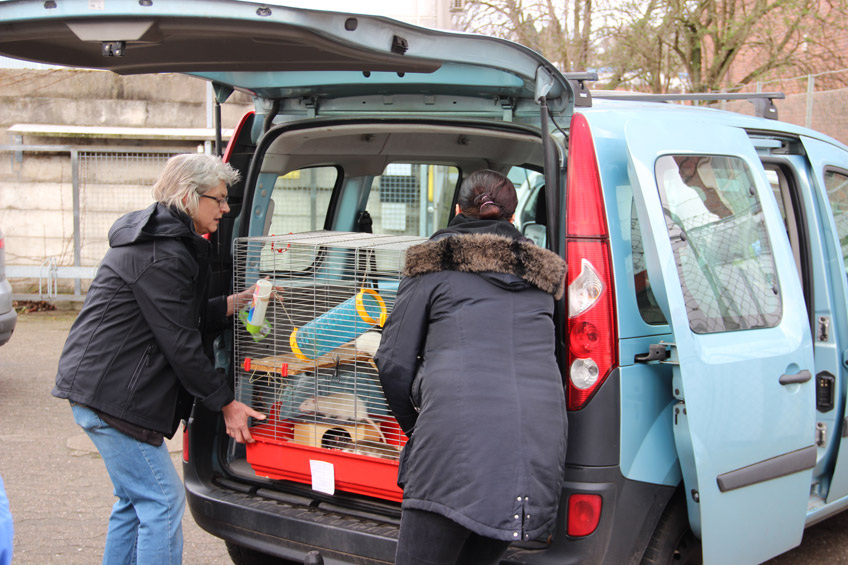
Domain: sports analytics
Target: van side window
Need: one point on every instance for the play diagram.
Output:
(300, 200)
(721, 247)
(836, 183)
(412, 198)
(648, 307)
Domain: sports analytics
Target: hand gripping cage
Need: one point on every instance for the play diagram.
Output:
(311, 369)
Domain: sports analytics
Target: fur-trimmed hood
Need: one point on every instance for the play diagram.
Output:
(488, 253)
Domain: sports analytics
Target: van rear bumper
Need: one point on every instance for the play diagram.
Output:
(290, 525)
(286, 525)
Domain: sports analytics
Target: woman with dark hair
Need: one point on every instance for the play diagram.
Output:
(134, 360)
(468, 367)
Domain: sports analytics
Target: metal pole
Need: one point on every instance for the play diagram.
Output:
(313, 199)
(210, 123)
(75, 186)
(422, 201)
(219, 146)
(811, 87)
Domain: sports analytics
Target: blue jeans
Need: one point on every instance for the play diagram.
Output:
(6, 528)
(146, 522)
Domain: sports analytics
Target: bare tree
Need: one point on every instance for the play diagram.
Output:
(561, 30)
(710, 45)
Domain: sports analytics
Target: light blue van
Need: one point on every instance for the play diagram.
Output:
(704, 332)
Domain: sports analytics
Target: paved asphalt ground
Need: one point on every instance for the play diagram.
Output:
(59, 492)
(61, 496)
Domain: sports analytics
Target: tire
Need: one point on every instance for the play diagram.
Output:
(244, 556)
(673, 541)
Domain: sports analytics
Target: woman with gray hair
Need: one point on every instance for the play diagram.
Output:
(134, 360)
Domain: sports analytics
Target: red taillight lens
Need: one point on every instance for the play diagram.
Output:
(592, 336)
(185, 445)
(585, 205)
(584, 514)
(2, 242)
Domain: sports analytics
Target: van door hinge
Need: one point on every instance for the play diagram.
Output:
(824, 328)
(679, 410)
(660, 352)
(821, 434)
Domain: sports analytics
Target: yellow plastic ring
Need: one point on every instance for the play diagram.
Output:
(295, 349)
(363, 313)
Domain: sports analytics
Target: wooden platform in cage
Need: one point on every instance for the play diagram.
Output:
(289, 364)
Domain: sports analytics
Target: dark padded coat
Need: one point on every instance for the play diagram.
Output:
(135, 351)
(470, 341)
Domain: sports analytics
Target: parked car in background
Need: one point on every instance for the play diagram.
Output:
(703, 333)
(8, 316)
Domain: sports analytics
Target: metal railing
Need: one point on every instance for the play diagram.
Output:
(106, 182)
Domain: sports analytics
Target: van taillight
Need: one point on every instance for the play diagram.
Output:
(590, 298)
(584, 514)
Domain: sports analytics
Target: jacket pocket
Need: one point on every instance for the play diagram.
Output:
(415, 388)
(403, 462)
(140, 366)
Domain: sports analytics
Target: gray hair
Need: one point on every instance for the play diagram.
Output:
(185, 177)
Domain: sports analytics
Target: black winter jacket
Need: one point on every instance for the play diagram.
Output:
(135, 351)
(470, 342)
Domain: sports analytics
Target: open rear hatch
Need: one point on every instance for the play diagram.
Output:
(276, 52)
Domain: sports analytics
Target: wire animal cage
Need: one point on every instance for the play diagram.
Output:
(309, 366)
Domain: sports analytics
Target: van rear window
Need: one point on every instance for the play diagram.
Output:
(412, 198)
(720, 243)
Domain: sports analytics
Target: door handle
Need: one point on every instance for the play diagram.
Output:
(799, 377)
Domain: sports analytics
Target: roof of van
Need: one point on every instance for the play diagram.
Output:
(670, 111)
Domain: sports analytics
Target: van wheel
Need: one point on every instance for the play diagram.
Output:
(673, 541)
(244, 556)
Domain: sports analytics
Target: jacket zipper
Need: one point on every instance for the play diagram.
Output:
(142, 363)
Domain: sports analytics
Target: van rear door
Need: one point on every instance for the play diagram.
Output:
(829, 170)
(724, 275)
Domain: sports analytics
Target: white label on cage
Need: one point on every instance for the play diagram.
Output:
(394, 216)
(95, 4)
(323, 476)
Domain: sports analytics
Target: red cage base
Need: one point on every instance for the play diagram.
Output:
(285, 460)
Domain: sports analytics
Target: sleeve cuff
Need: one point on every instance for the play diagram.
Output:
(219, 398)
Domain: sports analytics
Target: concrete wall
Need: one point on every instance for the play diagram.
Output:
(36, 196)
(97, 98)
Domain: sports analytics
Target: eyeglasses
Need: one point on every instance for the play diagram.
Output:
(221, 200)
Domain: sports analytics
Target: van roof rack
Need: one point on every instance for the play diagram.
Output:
(763, 101)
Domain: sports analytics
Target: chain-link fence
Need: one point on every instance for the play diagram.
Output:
(112, 184)
(815, 101)
(57, 204)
